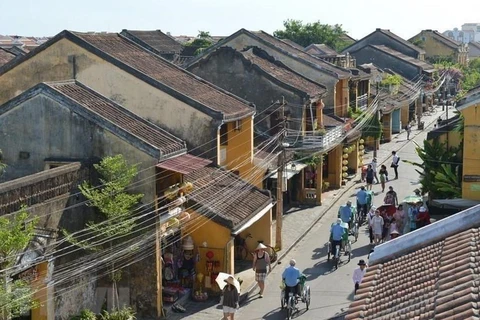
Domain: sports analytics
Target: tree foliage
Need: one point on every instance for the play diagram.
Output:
(310, 33)
(201, 42)
(392, 80)
(439, 169)
(373, 128)
(16, 296)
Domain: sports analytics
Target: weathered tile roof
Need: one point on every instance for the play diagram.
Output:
(431, 273)
(168, 74)
(225, 198)
(400, 39)
(5, 56)
(421, 64)
(161, 42)
(184, 164)
(446, 40)
(281, 72)
(122, 118)
(293, 44)
(321, 49)
(340, 72)
(154, 70)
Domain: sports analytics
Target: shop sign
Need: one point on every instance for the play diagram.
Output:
(29, 275)
(471, 178)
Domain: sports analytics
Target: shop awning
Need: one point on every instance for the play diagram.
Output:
(291, 169)
(184, 164)
(254, 219)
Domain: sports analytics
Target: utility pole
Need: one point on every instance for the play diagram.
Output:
(280, 173)
(377, 114)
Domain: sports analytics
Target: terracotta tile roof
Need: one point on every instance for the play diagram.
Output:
(156, 39)
(338, 71)
(430, 273)
(421, 64)
(184, 164)
(5, 56)
(281, 72)
(225, 197)
(114, 113)
(169, 74)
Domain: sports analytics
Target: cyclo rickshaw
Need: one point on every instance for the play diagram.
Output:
(304, 293)
(362, 216)
(345, 247)
(354, 220)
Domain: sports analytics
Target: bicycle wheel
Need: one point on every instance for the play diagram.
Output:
(282, 299)
(273, 254)
(329, 250)
(349, 247)
(290, 307)
(307, 296)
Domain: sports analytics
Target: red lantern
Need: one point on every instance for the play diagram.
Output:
(210, 255)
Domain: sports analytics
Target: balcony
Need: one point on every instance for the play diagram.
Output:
(314, 140)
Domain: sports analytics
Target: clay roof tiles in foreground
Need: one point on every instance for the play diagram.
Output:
(283, 73)
(5, 56)
(226, 198)
(438, 280)
(122, 118)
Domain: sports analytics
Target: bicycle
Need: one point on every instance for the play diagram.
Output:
(240, 247)
(292, 301)
(271, 251)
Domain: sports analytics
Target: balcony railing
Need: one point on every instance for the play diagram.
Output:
(313, 140)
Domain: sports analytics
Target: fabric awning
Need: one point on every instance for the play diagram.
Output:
(292, 168)
(254, 219)
(184, 164)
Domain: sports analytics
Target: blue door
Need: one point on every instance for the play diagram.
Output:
(396, 121)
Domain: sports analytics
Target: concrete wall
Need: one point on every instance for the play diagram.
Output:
(259, 231)
(383, 60)
(227, 70)
(54, 64)
(243, 41)
(378, 38)
(45, 129)
(471, 152)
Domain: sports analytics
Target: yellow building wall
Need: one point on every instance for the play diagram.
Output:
(41, 295)
(259, 231)
(52, 64)
(387, 127)
(341, 98)
(471, 152)
(454, 138)
(404, 115)
(217, 237)
(353, 158)
(240, 150)
(335, 167)
(434, 47)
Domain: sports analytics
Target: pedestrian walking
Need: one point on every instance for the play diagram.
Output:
(374, 167)
(370, 216)
(369, 177)
(377, 227)
(359, 273)
(261, 263)
(412, 216)
(399, 217)
(395, 163)
(230, 299)
(391, 197)
(423, 217)
(409, 130)
(383, 176)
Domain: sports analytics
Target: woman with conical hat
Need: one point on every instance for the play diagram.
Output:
(261, 264)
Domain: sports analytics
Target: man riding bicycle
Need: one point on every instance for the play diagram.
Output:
(362, 200)
(337, 232)
(346, 214)
(291, 277)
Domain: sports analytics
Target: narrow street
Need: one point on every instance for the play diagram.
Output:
(332, 290)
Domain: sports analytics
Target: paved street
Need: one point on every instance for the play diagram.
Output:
(332, 290)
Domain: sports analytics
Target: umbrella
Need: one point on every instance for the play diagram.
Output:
(413, 199)
(388, 208)
(221, 281)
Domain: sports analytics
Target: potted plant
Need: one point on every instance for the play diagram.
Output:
(325, 185)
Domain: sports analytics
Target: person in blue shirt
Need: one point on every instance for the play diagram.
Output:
(362, 200)
(337, 232)
(291, 277)
(346, 213)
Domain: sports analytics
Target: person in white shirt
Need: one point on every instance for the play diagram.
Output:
(395, 163)
(374, 167)
(359, 273)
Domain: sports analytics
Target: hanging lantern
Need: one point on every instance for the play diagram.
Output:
(345, 150)
(345, 162)
(361, 147)
(360, 152)
(345, 156)
(361, 162)
(345, 175)
(350, 150)
(361, 141)
(344, 168)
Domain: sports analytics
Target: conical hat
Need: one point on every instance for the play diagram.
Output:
(261, 246)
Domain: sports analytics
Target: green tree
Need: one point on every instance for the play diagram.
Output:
(201, 42)
(309, 33)
(115, 206)
(16, 296)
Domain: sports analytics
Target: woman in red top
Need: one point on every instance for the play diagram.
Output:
(423, 217)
